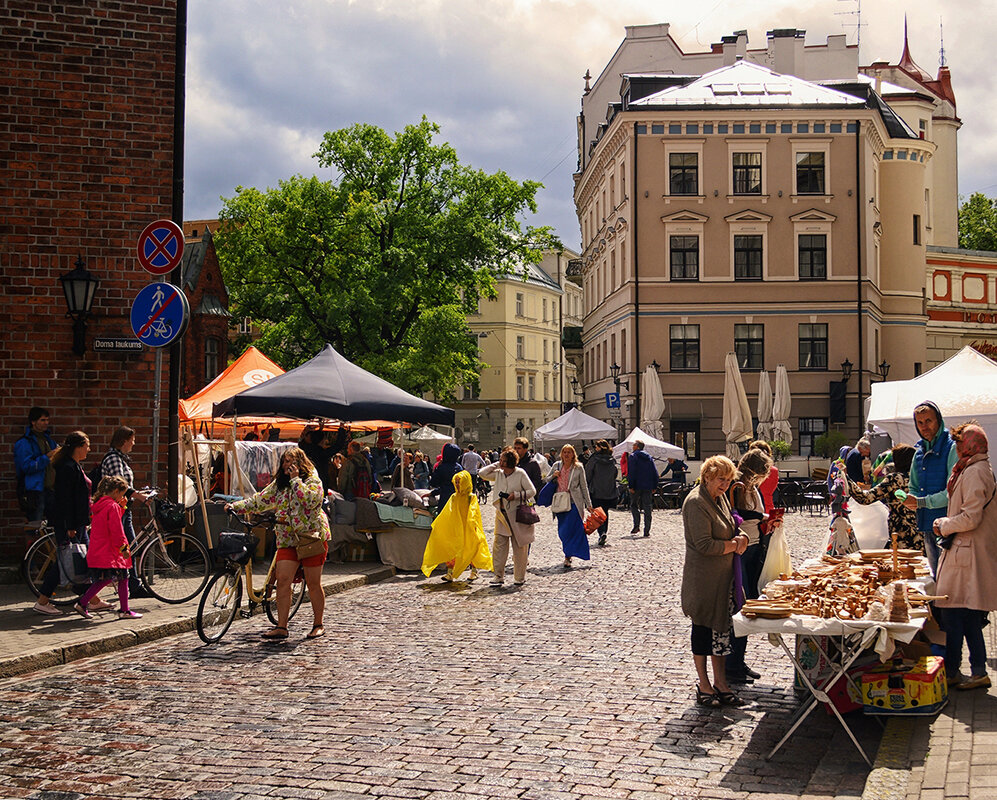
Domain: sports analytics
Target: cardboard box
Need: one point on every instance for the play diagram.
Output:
(842, 694)
(908, 688)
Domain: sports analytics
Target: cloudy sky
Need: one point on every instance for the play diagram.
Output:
(503, 78)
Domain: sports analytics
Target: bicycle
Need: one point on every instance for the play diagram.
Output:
(222, 597)
(481, 488)
(171, 565)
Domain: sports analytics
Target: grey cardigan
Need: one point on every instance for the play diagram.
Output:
(577, 486)
(708, 573)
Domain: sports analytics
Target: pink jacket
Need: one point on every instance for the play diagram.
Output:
(107, 536)
(967, 572)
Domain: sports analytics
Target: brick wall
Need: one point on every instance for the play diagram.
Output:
(86, 151)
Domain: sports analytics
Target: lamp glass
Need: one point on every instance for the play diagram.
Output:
(614, 370)
(846, 369)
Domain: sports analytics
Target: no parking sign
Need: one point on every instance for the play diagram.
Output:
(160, 247)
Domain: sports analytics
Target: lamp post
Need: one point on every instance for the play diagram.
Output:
(79, 286)
(576, 391)
(883, 369)
(846, 370)
(614, 371)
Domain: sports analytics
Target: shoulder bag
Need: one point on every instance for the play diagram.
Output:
(309, 546)
(560, 502)
(526, 514)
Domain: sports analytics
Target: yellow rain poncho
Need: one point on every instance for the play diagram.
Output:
(458, 534)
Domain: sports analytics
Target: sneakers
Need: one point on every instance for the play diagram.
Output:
(473, 575)
(647, 535)
(129, 615)
(602, 541)
(634, 532)
(48, 608)
(496, 581)
(82, 611)
(518, 583)
(975, 682)
(448, 578)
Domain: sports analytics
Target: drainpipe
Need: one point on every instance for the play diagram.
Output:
(633, 251)
(858, 272)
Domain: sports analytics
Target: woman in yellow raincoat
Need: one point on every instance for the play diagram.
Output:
(458, 537)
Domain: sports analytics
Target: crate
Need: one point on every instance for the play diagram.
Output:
(905, 687)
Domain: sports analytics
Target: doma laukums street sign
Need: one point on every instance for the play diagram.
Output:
(160, 314)
(160, 247)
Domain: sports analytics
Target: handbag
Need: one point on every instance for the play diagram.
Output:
(560, 502)
(526, 514)
(72, 560)
(309, 546)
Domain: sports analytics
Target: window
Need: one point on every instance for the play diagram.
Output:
(917, 229)
(519, 304)
(472, 392)
(810, 173)
(685, 434)
(546, 388)
(684, 347)
(747, 258)
(519, 387)
(545, 351)
(532, 383)
(813, 345)
(545, 309)
(684, 252)
(683, 173)
(810, 429)
(212, 348)
(520, 348)
(813, 256)
(749, 345)
(747, 173)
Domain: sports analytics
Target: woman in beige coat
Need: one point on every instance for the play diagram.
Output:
(967, 568)
(711, 540)
(512, 488)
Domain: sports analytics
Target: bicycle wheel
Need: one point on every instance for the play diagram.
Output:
(270, 600)
(219, 604)
(39, 557)
(174, 568)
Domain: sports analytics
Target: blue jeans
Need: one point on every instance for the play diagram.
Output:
(959, 624)
(931, 550)
(641, 499)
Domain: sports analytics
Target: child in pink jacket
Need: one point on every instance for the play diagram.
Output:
(108, 555)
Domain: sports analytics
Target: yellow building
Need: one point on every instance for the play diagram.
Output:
(527, 379)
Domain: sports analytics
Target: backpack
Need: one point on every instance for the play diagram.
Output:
(95, 475)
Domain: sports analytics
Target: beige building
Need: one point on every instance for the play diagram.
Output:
(527, 379)
(726, 203)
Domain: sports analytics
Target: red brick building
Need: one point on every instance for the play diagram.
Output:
(86, 162)
(205, 346)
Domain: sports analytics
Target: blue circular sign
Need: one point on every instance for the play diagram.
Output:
(160, 314)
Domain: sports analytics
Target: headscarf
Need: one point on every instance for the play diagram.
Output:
(972, 442)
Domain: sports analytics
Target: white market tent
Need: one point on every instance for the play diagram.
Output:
(427, 435)
(964, 388)
(573, 426)
(655, 448)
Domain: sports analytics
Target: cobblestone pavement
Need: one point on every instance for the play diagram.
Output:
(578, 684)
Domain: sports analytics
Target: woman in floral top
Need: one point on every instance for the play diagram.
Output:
(295, 495)
(902, 520)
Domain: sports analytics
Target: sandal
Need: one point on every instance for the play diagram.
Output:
(276, 633)
(708, 699)
(316, 631)
(731, 699)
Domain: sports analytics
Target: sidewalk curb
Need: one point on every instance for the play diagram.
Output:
(890, 773)
(120, 640)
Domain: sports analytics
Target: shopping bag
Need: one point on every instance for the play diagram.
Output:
(594, 519)
(72, 560)
(526, 514)
(777, 559)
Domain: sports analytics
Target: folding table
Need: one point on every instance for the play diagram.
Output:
(853, 637)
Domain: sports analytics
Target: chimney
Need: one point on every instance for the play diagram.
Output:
(735, 47)
(785, 50)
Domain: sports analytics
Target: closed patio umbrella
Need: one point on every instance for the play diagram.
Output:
(781, 407)
(737, 412)
(652, 404)
(764, 406)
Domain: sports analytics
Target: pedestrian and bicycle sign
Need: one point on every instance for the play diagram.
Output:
(160, 314)
(160, 247)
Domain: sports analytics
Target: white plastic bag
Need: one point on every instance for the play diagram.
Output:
(777, 559)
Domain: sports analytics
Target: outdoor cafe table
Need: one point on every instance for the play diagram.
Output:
(852, 638)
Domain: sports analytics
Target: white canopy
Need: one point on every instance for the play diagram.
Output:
(736, 424)
(964, 388)
(781, 406)
(657, 449)
(573, 426)
(652, 403)
(764, 406)
(426, 435)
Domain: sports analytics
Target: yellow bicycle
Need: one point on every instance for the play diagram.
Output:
(222, 597)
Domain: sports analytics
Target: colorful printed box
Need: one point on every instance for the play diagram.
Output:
(910, 688)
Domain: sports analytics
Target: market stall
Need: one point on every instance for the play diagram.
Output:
(573, 426)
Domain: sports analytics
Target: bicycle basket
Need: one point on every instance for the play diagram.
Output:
(172, 516)
(236, 547)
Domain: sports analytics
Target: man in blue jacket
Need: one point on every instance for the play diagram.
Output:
(934, 457)
(642, 479)
(31, 454)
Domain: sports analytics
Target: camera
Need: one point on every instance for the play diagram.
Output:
(504, 495)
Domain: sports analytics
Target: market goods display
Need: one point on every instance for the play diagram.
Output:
(869, 584)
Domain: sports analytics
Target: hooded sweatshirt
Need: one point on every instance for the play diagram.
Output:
(600, 471)
(933, 462)
(442, 478)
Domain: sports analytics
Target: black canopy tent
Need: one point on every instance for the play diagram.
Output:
(331, 387)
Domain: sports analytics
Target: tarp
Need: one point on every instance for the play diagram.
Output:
(658, 450)
(964, 388)
(426, 435)
(573, 426)
(736, 425)
(330, 386)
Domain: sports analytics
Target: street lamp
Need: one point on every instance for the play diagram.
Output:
(656, 365)
(846, 370)
(79, 286)
(614, 371)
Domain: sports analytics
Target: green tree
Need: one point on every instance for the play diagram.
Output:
(978, 223)
(385, 261)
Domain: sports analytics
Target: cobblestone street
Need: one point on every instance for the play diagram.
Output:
(578, 684)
